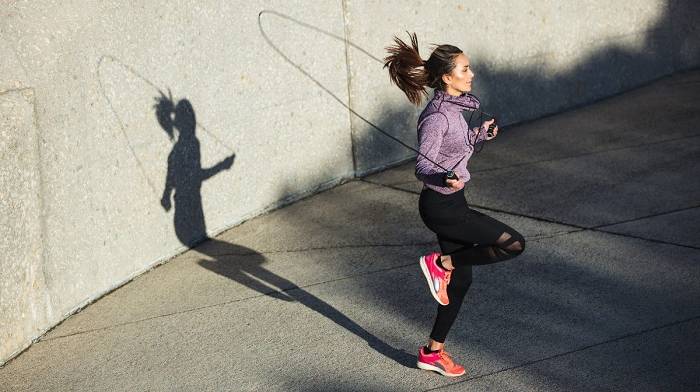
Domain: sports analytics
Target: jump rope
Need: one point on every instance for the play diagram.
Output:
(449, 173)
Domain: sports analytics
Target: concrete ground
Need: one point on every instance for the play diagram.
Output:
(326, 294)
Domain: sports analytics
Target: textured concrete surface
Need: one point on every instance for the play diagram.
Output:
(161, 124)
(22, 285)
(326, 295)
(665, 227)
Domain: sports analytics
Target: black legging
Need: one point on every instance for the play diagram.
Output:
(470, 238)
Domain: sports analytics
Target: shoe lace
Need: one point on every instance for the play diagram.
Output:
(445, 356)
(448, 276)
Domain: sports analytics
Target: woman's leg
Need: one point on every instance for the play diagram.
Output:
(468, 237)
(457, 289)
(480, 240)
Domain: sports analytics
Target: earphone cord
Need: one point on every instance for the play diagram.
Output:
(481, 118)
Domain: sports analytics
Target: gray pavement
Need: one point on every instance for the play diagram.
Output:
(326, 295)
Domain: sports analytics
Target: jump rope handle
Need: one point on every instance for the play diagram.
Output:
(450, 175)
(489, 132)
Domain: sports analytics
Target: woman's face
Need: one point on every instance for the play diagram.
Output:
(459, 81)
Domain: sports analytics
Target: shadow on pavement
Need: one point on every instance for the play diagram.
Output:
(249, 272)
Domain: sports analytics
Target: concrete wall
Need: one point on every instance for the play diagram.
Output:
(85, 161)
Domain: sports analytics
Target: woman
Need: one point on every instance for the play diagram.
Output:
(466, 237)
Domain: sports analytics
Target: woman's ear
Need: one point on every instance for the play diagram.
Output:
(447, 79)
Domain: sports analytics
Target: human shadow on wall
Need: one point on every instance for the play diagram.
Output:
(184, 178)
(185, 173)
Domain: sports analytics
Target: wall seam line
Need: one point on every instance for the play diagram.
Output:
(43, 213)
(348, 79)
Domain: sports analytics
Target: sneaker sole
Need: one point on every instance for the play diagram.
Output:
(425, 366)
(426, 273)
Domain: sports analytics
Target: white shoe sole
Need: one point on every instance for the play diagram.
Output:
(425, 366)
(426, 273)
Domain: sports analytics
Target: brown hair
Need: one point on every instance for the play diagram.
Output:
(411, 74)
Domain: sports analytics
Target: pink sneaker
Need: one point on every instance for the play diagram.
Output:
(440, 362)
(437, 278)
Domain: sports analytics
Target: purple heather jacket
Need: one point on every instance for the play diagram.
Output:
(444, 137)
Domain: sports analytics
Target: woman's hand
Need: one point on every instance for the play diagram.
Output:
(165, 202)
(486, 126)
(455, 184)
(228, 162)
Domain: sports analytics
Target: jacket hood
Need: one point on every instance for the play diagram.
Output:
(459, 103)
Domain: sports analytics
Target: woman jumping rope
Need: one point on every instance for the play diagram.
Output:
(466, 237)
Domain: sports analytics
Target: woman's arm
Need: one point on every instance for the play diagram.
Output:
(431, 132)
(169, 184)
(223, 165)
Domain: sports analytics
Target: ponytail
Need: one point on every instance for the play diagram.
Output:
(407, 69)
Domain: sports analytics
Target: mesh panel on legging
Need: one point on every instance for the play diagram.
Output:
(506, 247)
